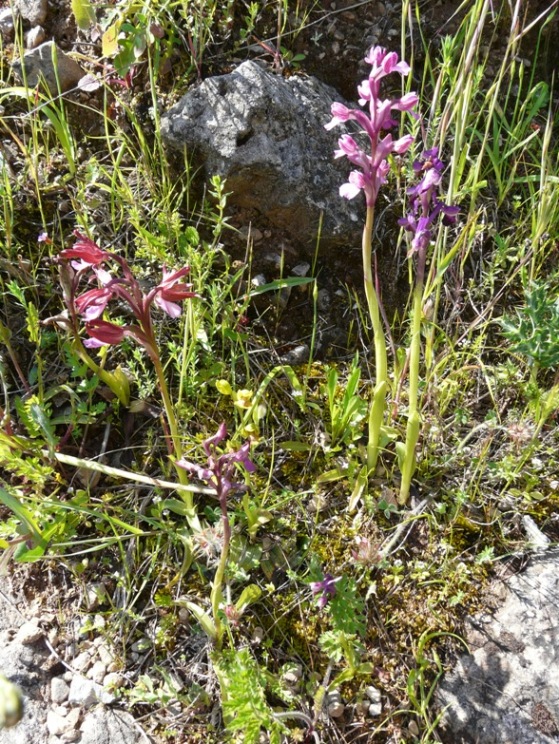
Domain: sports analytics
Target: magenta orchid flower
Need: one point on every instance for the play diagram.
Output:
(102, 333)
(86, 256)
(86, 251)
(373, 163)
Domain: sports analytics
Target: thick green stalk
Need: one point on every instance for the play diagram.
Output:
(376, 411)
(219, 578)
(171, 420)
(414, 417)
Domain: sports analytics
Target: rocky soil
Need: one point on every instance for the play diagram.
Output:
(52, 640)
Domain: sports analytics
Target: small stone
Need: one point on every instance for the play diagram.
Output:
(87, 693)
(73, 718)
(59, 690)
(336, 710)
(34, 11)
(34, 37)
(6, 23)
(372, 693)
(105, 653)
(56, 724)
(29, 633)
(299, 355)
(81, 662)
(39, 66)
(258, 281)
(302, 269)
(97, 672)
(375, 709)
(413, 728)
(257, 636)
(113, 681)
(293, 675)
(99, 622)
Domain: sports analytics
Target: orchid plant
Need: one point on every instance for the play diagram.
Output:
(426, 209)
(373, 168)
(86, 261)
(219, 473)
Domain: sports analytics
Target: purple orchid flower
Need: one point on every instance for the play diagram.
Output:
(373, 165)
(220, 470)
(426, 207)
(325, 588)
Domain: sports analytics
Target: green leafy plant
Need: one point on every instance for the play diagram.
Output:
(245, 707)
(533, 331)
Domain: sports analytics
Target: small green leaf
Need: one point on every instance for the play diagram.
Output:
(249, 595)
(202, 617)
(109, 42)
(83, 13)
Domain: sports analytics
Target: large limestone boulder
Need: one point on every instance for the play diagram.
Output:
(265, 134)
(506, 691)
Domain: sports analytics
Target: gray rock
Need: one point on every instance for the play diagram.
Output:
(298, 355)
(506, 691)
(265, 134)
(32, 727)
(6, 23)
(56, 724)
(59, 690)
(29, 633)
(34, 37)
(104, 726)
(39, 65)
(87, 693)
(34, 11)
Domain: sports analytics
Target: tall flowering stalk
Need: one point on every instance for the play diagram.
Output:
(426, 209)
(373, 168)
(219, 473)
(87, 261)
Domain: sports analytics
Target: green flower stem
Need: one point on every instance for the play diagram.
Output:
(171, 420)
(376, 411)
(187, 496)
(217, 584)
(414, 417)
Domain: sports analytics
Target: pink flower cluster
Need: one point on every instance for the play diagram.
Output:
(373, 165)
(86, 257)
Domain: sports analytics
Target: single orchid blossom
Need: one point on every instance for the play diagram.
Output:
(325, 588)
(85, 250)
(103, 333)
(172, 290)
(92, 304)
